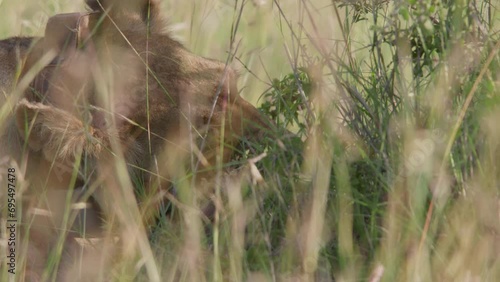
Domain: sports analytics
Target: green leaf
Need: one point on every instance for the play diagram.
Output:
(404, 13)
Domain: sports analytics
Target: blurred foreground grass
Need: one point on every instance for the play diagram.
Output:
(393, 175)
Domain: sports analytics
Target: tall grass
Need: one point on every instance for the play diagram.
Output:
(391, 173)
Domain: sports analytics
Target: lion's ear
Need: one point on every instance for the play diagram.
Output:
(58, 134)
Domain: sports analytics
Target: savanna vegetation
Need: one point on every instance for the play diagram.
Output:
(389, 165)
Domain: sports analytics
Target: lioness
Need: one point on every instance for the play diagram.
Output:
(128, 89)
(130, 82)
